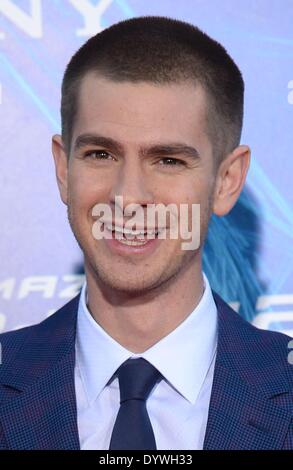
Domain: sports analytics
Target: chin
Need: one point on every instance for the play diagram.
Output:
(129, 284)
(134, 283)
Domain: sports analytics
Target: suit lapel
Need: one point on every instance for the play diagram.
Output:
(44, 415)
(241, 419)
(242, 412)
(40, 410)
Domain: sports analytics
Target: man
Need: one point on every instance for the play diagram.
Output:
(147, 356)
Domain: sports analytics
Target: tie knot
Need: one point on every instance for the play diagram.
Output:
(137, 378)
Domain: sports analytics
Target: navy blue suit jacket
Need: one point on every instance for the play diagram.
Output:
(251, 403)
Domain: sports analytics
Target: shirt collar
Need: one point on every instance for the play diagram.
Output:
(183, 356)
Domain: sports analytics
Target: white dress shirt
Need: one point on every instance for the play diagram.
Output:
(177, 406)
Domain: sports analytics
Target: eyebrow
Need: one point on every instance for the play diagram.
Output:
(158, 149)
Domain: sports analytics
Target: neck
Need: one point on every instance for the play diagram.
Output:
(137, 322)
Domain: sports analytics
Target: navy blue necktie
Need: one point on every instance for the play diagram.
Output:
(132, 429)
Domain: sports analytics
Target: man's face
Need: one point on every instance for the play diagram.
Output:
(138, 116)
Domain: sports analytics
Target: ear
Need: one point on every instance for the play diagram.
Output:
(61, 165)
(230, 179)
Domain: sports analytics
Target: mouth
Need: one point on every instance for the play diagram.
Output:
(133, 237)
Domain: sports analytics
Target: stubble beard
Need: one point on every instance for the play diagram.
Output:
(137, 285)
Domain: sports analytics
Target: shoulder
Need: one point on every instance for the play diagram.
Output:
(233, 323)
(41, 336)
(248, 348)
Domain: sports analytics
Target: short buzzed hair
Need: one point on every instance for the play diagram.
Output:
(161, 50)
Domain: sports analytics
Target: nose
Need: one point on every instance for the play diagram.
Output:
(133, 184)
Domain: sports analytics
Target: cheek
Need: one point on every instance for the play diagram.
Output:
(199, 193)
(85, 190)
(189, 192)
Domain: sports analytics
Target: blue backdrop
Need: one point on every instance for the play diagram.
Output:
(248, 255)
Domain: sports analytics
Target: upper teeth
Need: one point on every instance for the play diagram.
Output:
(127, 231)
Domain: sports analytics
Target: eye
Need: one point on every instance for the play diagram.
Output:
(98, 155)
(169, 161)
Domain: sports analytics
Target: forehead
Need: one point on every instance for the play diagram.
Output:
(136, 111)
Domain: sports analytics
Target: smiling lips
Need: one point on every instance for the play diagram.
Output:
(132, 237)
